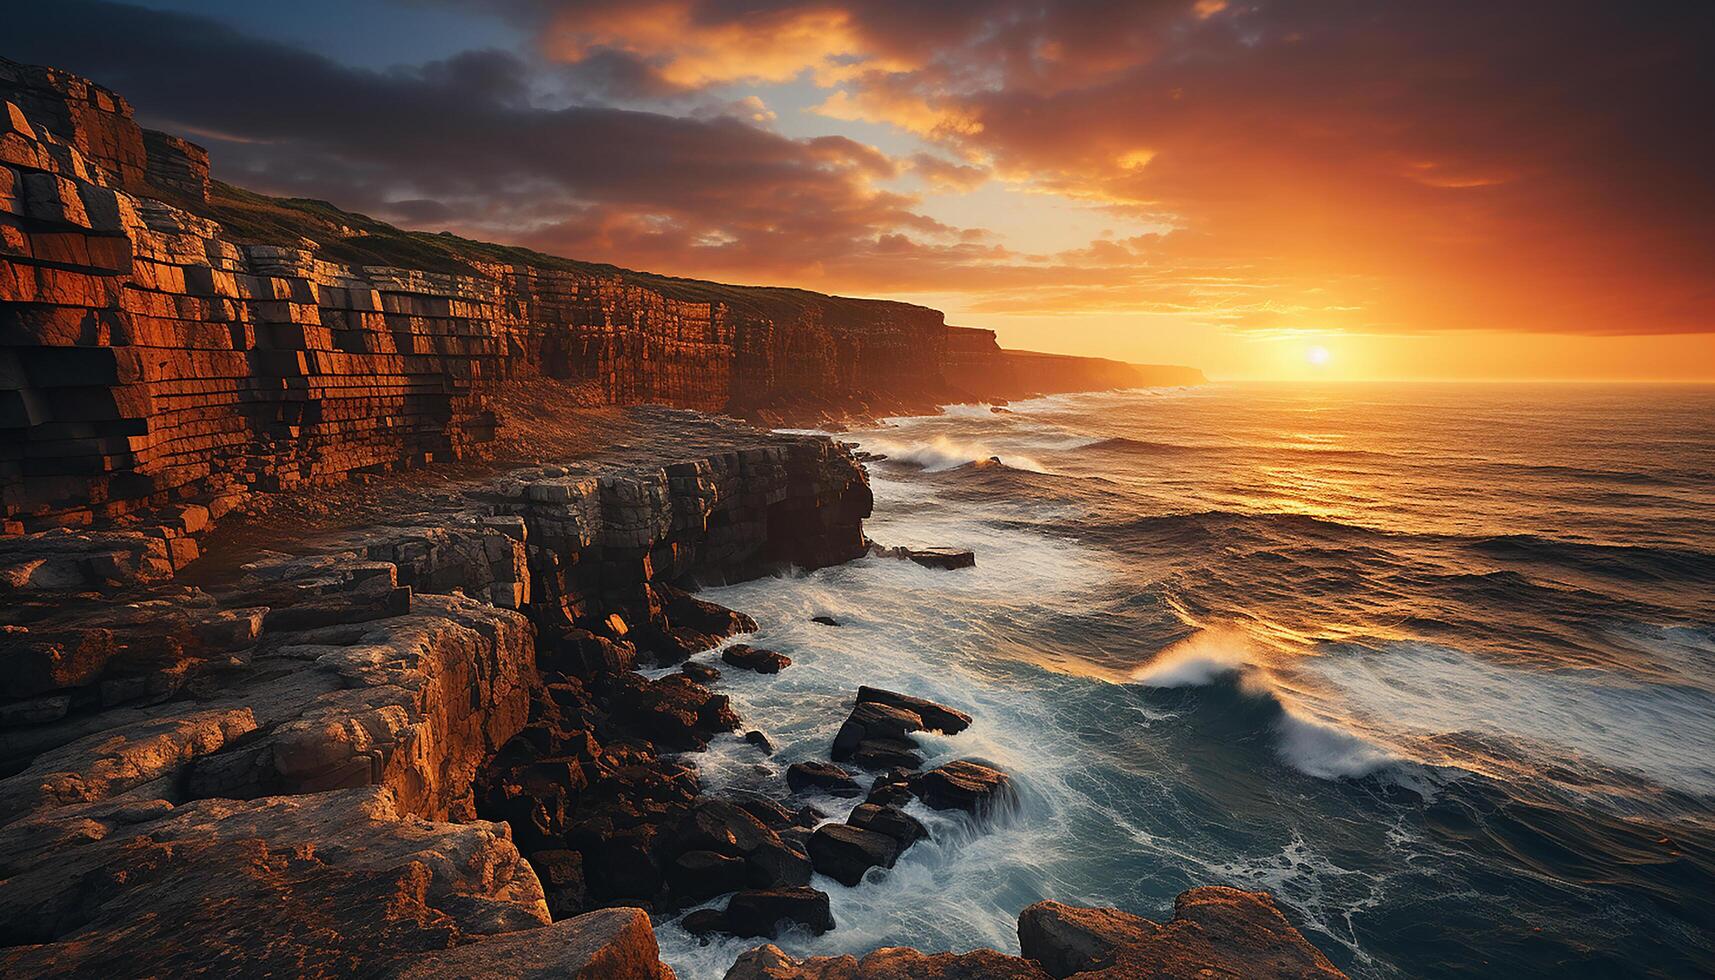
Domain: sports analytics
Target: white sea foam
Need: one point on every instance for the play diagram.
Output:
(1315, 747)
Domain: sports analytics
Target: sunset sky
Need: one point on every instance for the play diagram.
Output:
(1261, 189)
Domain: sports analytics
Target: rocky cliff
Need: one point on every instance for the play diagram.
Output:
(167, 338)
(281, 773)
(976, 363)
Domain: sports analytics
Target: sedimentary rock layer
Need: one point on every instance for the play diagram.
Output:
(162, 344)
(166, 339)
(285, 750)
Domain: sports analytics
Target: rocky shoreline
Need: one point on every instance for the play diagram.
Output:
(347, 609)
(425, 747)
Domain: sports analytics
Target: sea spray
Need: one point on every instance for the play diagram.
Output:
(1299, 651)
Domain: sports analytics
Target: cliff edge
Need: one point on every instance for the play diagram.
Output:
(166, 337)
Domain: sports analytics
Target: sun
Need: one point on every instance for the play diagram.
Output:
(1318, 356)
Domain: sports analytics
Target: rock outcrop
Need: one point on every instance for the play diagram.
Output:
(287, 750)
(1214, 932)
(976, 363)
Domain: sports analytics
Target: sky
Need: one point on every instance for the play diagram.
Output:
(1346, 189)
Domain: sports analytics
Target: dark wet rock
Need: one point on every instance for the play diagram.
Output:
(888, 963)
(761, 912)
(963, 785)
(759, 740)
(886, 753)
(687, 611)
(935, 716)
(701, 673)
(943, 558)
(1213, 932)
(869, 720)
(675, 710)
(585, 654)
(844, 852)
(825, 620)
(698, 875)
(755, 658)
(727, 828)
(703, 921)
(824, 776)
(561, 872)
(891, 788)
(772, 813)
(877, 733)
(895, 823)
(723, 827)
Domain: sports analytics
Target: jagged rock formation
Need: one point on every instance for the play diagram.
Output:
(284, 751)
(978, 364)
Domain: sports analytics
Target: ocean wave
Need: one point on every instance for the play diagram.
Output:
(942, 452)
(1217, 658)
(1635, 562)
(1141, 447)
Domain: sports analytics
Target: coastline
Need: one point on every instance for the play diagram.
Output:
(397, 699)
(331, 554)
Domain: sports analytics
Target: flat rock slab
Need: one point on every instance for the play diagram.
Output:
(610, 944)
(824, 776)
(281, 885)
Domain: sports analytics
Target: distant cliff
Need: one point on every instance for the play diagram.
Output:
(978, 364)
(168, 337)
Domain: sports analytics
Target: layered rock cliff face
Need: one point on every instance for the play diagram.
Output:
(163, 342)
(166, 338)
(286, 749)
(976, 363)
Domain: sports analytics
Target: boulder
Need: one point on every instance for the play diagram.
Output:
(698, 875)
(942, 558)
(823, 776)
(824, 620)
(935, 717)
(759, 740)
(963, 785)
(755, 658)
(701, 673)
(1214, 932)
(895, 823)
(844, 852)
(761, 912)
(1067, 939)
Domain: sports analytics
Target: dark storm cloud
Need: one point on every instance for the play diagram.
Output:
(462, 131)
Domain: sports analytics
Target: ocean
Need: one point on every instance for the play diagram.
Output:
(1434, 664)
